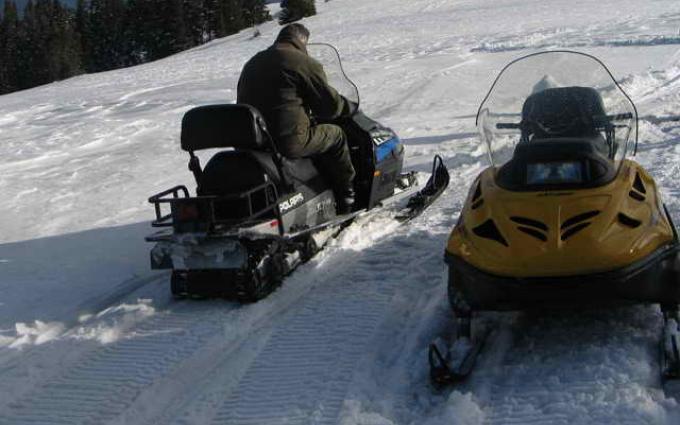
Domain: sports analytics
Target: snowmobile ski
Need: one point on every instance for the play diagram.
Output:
(670, 346)
(450, 369)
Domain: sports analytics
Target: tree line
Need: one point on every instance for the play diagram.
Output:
(49, 42)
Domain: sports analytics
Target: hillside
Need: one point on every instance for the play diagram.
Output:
(89, 335)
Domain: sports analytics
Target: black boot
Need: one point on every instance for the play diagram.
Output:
(345, 201)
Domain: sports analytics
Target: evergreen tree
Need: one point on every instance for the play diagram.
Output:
(29, 70)
(174, 35)
(107, 39)
(83, 33)
(232, 17)
(63, 52)
(195, 23)
(9, 47)
(214, 23)
(255, 12)
(294, 10)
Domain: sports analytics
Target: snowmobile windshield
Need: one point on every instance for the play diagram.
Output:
(329, 57)
(555, 97)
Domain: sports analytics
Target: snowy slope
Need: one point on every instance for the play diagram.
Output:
(89, 335)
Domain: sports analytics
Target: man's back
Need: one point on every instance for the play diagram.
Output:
(284, 84)
(269, 82)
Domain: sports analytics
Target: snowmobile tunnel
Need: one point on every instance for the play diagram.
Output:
(237, 126)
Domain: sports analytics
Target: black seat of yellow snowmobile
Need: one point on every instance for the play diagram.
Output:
(225, 126)
(562, 112)
(588, 153)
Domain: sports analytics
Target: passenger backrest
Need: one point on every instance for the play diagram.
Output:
(237, 126)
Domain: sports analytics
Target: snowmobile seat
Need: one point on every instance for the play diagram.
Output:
(252, 162)
(241, 127)
(562, 112)
(557, 164)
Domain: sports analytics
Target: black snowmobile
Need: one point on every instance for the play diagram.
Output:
(258, 215)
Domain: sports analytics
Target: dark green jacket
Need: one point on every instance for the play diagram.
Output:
(285, 85)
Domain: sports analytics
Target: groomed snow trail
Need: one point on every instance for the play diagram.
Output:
(89, 336)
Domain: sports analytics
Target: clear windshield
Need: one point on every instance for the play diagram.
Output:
(557, 95)
(328, 56)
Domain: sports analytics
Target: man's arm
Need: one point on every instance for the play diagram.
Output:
(324, 101)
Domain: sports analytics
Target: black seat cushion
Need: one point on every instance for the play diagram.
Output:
(590, 152)
(230, 173)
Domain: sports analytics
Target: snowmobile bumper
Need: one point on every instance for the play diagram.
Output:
(217, 254)
(655, 279)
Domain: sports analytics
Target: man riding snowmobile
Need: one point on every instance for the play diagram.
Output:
(258, 213)
(285, 84)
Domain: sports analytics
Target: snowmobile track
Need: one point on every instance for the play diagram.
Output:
(303, 373)
(105, 382)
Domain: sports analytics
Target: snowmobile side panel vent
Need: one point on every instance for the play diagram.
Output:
(530, 222)
(629, 221)
(579, 218)
(478, 192)
(532, 232)
(638, 185)
(571, 232)
(477, 200)
(633, 194)
(488, 230)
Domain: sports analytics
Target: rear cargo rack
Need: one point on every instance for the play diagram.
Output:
(206, 213)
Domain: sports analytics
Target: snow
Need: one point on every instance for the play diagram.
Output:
(88, 334)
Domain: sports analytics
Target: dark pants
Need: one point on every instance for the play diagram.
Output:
(327, 146)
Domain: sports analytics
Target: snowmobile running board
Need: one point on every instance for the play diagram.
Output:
(435, 186)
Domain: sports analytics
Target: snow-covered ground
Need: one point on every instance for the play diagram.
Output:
(88, 335)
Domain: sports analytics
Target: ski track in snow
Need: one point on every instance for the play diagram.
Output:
(88, 336)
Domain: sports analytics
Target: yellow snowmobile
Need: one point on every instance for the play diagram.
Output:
(562, 216)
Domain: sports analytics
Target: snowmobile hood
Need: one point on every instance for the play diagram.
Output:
(561, 232)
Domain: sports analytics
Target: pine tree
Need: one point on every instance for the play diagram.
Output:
(294, 10)
(83, 33)
(28, 64)
(214, 23)
(9, 45)
(109, 46)
(232, 17)
(63, 51)
(255, 12)
(194, 21)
